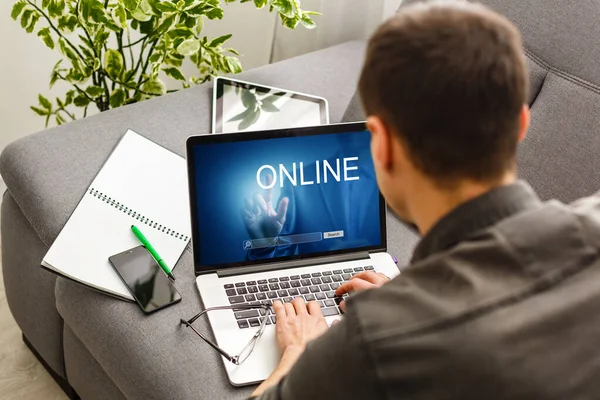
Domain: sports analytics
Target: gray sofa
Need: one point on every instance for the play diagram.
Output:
(104, 348)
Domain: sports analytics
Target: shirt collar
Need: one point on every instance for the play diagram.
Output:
(477, 214)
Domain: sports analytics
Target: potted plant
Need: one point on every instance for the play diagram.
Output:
(115, 50)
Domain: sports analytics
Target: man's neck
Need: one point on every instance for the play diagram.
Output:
(431, 203)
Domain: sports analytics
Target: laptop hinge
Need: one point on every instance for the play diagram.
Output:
(252, 269)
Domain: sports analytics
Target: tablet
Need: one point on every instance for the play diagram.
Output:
(240, 106)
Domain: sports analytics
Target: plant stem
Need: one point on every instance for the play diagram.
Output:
(146, 65)
(130, 48)
(66, 112)
(85, 111)
(136, 42)
(56, 30)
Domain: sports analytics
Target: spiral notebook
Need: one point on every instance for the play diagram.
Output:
(141, 184)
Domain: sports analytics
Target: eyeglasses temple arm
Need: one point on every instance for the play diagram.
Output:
(214, 346)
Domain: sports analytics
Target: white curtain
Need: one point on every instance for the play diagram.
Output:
(342, 20)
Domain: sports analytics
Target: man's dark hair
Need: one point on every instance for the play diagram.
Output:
(450, 78)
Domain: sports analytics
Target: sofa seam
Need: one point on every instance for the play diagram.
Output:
(35, 230)
(562, 73)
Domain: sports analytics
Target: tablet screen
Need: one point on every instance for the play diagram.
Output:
(243, 106)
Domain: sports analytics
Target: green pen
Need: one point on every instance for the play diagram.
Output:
(149, 247)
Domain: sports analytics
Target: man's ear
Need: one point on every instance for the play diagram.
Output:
(381, 142)
(525, 119)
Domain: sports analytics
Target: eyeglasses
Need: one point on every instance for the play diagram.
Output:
(247, 350)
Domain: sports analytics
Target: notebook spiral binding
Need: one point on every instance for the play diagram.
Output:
(135, 215)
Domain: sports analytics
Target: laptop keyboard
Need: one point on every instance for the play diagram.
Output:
(318, 286)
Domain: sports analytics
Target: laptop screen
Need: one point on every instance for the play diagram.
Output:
(280, 198)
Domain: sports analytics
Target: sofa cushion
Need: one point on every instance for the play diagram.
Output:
(47, 173)
(558, 157)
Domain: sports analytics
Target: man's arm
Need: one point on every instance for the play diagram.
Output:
(335, 365)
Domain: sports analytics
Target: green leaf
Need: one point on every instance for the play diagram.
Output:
(166, 7)
(26, 17)
(117, 98)
(233, 51)
(269, 107)
(291, 23)
(249, 100)
(219, 41)
(250, 120)
(81, 101)
(94, 91)
(113, 63)
(260, 3)
(215, 13)
(59, 119)
(67, 51)
(69, 98)
(32, 23)
(284, 7)
(17, 8)
(154, 58)
(120, 15)
(233, 65)
(188, 47)
(131, 5)
(240, 116)
(67, 23)
(155, 86)
(174, 73)
(39, 111)
(45, 3)
(45, 102)
(308, 22)
(140, 15)
(44, 34)
(166, 24)
(181, 32)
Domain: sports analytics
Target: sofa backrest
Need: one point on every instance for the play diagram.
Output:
(560, 156)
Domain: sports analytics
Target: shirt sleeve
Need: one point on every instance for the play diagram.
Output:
(335, 366)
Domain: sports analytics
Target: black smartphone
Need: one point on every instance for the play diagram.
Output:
(148, 284)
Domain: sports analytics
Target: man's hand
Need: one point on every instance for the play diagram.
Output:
(260, 217)
(297, 324)
(359, 282)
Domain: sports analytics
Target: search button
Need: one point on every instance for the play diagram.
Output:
(333, 235)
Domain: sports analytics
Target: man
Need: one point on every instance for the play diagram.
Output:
(501, 299)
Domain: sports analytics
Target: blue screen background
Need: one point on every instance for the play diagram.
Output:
(226, 184)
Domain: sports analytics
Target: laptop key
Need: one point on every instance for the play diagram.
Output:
(240, 284)
(273, 280)
(314, 289)
(296, 284)
(282, 293)
(316, 274)
(251, 283)
(321, 304)
(272, 295)
(273, 319)
(293, 292)
(334, 286)
(228, 286)
(348, 270)
(329, 303)
(243, 324)
(242, 291)
(284, 279)
(338, 300)
(305, 282)
(288, 300)
(346, 277)
(295, 277)
(330, 295)
(316, 281)
(327, 273)
(250, 297)
(324, 287)
(252, 289)
(261, 296)
(231, 292)
(254, 322)
(303, 290)
(285, 285)
(274, 286)
(326, 279)
(309, 297)
(262, 311)
(320, 296)
(338, 272)
(236, 299)
(267, 303)
(246, 314)
(358, 269)
(263, 288)
(328, 312)
(369, 268)
(336, 278)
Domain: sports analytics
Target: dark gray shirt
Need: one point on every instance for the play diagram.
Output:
(501, 301)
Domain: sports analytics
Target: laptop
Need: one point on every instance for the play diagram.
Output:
(276, 215)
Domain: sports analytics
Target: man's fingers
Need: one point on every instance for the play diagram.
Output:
(371, 276)
(260, 202)
(353, 285)
(314, 308)
(299, 305)
(289, 310)
(343, 306)
(269, 192)
(279, 309)
(282, 210)
(249, 206)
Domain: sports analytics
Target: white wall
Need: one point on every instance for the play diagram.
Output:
(26, 63)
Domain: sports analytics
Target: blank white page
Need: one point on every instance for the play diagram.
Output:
(141, 184)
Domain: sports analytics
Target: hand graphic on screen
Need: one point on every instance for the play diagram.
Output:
(260, 217)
